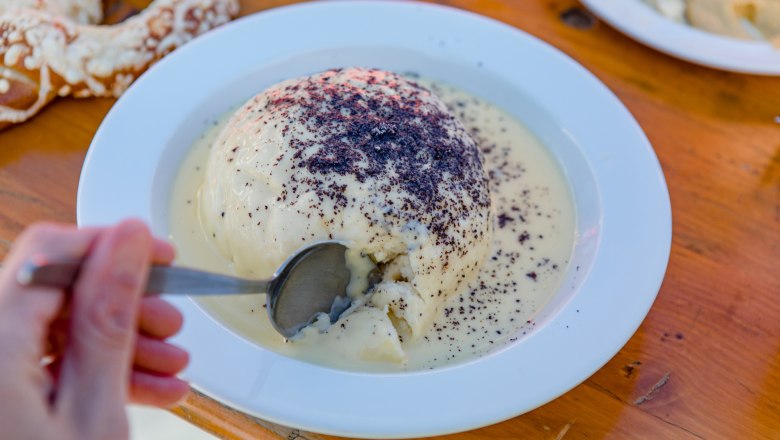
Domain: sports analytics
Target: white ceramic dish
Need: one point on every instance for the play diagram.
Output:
(641, 22)
(624, 218)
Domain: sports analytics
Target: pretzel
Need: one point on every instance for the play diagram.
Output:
(43, 55)
(80, 11)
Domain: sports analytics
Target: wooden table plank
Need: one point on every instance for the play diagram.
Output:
(706, 361)
(227, 423)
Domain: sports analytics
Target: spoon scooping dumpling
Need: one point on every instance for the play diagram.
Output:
(314, 280)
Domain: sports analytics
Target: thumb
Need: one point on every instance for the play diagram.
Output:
(97, 361)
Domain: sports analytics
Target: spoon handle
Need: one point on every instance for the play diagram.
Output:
(162, 279)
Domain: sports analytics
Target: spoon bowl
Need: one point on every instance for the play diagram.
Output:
(312, 281)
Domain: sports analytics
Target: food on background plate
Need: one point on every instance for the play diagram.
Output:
(45, 54)
(744, 19)
(382, 163)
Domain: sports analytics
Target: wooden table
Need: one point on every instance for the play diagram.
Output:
(706, 361)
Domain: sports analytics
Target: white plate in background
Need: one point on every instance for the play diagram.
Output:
(623, 211)
(648, 26)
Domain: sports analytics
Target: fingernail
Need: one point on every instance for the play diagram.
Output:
(128, 268)
(132, 255)
(186, 388)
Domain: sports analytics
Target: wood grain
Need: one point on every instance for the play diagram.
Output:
(706, 361)
(228, 423)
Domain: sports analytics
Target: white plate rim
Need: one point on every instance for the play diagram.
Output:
(417, 420)
(640, 22)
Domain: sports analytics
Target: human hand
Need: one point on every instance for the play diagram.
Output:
(105, 341)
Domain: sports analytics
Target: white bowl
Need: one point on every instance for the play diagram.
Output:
(623, 212)
(641, 22)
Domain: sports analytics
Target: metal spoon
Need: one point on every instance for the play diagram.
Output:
(313, 280)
